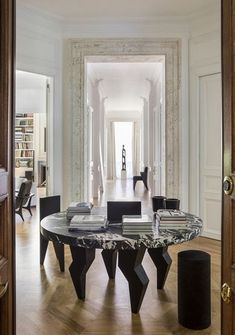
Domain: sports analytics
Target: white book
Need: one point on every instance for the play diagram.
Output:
(80, 205)
(137, 219)
(173, 222)
(95, 219)
(76, 227)
(174, 226)
(163, 214)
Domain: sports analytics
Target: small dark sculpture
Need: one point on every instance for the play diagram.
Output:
(123, 158)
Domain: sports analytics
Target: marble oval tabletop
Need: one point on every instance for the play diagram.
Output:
(55, 228)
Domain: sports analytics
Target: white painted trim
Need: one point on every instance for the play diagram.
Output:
(78, 50)
(184, 127)
(212, 234)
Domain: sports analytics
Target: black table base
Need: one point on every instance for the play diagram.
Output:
(162, 261)
(82, 260)
(59, 251)
(110, 261)
(129, 262)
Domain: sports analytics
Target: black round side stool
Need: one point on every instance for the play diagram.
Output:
(194, 289)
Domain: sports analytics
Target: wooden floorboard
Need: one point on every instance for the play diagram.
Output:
(47, 303)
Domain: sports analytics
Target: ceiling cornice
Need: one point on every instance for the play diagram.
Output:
(167, 26)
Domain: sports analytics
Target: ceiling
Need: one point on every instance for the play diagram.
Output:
(124, 84)
(77, 9)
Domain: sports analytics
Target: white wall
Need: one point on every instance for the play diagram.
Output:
(204, 60)
(39, 50)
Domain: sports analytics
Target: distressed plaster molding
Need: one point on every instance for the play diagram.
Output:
(82, 49)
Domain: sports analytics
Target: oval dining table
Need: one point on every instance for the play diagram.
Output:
(130, 250)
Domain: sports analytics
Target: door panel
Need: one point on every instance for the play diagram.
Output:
(210, 159)
(7, 234)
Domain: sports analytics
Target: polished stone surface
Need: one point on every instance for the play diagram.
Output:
(55, 228)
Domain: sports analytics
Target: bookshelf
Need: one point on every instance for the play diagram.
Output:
(24, 143)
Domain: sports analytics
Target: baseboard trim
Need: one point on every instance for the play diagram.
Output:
(212, 234)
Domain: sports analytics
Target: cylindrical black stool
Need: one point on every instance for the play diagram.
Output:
(194, 289)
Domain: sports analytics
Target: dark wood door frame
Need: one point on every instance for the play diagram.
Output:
(228, 203)
(7, 232)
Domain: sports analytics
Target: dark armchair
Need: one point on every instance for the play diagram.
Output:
(143, 177)
(23, 198)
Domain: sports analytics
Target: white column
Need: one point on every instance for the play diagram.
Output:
(145, 155)
(158, 141)
(102, 128)
(152, 109)
(96, 138)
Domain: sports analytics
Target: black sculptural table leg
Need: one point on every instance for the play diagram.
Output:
(129, 262)
(162, 261)
(82, 260)
(110, 261)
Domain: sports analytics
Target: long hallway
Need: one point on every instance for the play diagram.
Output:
(122, 189)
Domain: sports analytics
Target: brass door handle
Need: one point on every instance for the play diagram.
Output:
(228, 185)
(3, 289)
(226, 293)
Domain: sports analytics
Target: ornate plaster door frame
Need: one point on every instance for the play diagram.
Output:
(78, 51)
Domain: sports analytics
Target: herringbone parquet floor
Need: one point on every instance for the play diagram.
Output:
(47, 303)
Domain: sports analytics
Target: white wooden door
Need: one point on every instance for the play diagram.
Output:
(210, 160)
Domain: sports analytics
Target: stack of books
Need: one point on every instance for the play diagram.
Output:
(137, 224)
(171, 219)
(76, 208)
(88, 222)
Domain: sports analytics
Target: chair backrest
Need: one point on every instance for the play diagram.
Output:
(144, 174)
(146, 171)
(24, 193)
(49, 205)
(116, 209)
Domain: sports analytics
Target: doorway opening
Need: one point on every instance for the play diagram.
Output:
(124, 137)
(33, 103)
(126, 106)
